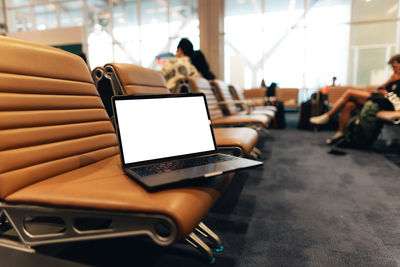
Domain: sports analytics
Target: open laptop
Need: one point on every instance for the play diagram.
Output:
(168, 139)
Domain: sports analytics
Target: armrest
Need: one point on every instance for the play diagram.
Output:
(389, 116)
(249, 104)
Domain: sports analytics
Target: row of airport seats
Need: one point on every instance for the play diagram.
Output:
(288, 96)
(222, 106)
(60, 171)
(235, 133)
(128, 79)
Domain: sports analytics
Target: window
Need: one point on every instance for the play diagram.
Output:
(303, 44)
(285, 42)
(45, 16)
(140, 30)
(373, 42)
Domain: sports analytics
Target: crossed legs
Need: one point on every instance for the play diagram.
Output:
(346, 103)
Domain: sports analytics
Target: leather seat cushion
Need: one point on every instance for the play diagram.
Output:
(273, 108)
(239, 119)
(269, 113)
(245, 138)
(103, 185)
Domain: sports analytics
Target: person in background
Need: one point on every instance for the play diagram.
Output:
(333, 81)
(353, 99)
(325, 90)
(201, 64)
(263, 85)
(181, 65)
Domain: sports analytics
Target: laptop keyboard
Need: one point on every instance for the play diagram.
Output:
(179, 164)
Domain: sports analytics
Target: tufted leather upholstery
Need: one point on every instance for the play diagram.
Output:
(243, 137)
(138, 80)
(237, 94)
(58, 147)
(52, 120)
(217, 117)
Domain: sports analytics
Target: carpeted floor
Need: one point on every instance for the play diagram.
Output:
(304, 207)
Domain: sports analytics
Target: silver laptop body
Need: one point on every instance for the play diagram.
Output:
(168, 140)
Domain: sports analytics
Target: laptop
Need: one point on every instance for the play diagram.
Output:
(168, 140)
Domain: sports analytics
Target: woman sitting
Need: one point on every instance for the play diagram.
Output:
(387, 97)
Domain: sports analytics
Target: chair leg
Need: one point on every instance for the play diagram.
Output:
(196, 242)
(210, 235)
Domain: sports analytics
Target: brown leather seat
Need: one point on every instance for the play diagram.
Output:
(222, 93)
(245, 138)
(218, 119)
(135, 80)
(389, 116)
(59, 155)
(237, 95)
(132, 79)
(233, 106)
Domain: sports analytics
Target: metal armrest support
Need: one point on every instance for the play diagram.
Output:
(97, 224)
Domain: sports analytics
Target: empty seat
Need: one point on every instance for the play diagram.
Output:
(237, 94)
(218, 119)
(232, 106)
(221, 91)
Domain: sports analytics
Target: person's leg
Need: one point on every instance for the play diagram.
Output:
(344, 117)
(357, 96)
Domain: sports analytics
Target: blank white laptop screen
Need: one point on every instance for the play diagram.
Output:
(163, 127)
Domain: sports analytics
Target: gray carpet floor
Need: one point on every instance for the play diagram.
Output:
(304, 207)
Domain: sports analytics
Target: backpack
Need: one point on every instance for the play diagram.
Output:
(362, 130)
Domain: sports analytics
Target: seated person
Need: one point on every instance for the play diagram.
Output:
(200, 62)
(181, 65)
(386, 97)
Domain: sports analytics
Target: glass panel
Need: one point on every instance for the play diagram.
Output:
(372, 44)
(243, 41)
(100, 48)
(71, 13)
(126, 32)
(183, 23)
(98, 14)
(374, 9)
(242, 7)
(285, 65)
(100, 43)
(371, 66)
(16, 3)
(19, 19)
(125, 14)
(45, 16)
(283, 5)
(128, 52)
(374, 33)
(152, 12)
(327, 40)
(154, 30)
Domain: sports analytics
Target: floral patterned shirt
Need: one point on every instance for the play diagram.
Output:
(176, 68)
